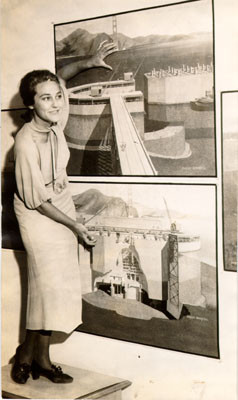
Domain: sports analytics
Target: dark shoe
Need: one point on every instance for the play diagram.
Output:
(55, 374)
(20, 371)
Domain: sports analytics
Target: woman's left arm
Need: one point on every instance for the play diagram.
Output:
(97, 60)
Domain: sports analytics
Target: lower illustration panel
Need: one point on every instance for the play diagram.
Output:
(151, 278)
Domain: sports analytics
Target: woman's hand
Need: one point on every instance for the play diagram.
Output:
(104, 49)
(83, 233)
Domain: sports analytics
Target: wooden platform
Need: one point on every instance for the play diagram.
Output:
(86, 385)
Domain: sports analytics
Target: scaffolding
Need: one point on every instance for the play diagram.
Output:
(173, 305)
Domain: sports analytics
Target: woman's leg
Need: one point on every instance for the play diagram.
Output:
(23, 358)
(42, 365)
(26, 349)
(42, 345)
(36, 345)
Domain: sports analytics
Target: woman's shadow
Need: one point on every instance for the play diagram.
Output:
(12, 121)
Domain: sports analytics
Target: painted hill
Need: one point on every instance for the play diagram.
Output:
(83, 43)
(92, 201)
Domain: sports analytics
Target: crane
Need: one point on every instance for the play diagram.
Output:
(173, 227)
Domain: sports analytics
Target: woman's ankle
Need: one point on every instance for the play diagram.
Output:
(24, 355)
(43, 363)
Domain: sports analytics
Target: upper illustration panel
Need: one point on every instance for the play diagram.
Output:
(152, 113)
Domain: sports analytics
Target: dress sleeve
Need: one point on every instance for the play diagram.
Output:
(65, 112)
(30, 184)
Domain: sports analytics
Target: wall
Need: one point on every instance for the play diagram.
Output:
(27, 43)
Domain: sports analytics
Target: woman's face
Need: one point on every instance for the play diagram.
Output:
(48, 102)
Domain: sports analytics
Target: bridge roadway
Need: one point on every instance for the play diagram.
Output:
(127, 230)
(134, 159)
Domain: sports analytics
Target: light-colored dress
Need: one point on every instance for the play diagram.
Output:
(54, 291)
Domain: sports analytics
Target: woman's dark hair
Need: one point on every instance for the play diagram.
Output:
(29, 82)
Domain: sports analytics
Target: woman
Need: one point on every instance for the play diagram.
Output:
(46, 217)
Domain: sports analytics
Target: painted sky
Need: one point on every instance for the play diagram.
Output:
(170, 20)
(187, 199)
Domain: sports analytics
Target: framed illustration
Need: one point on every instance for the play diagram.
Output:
(153, 113)
(229, 123)
(153, 272)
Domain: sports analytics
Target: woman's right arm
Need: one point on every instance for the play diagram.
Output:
(50, 211)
